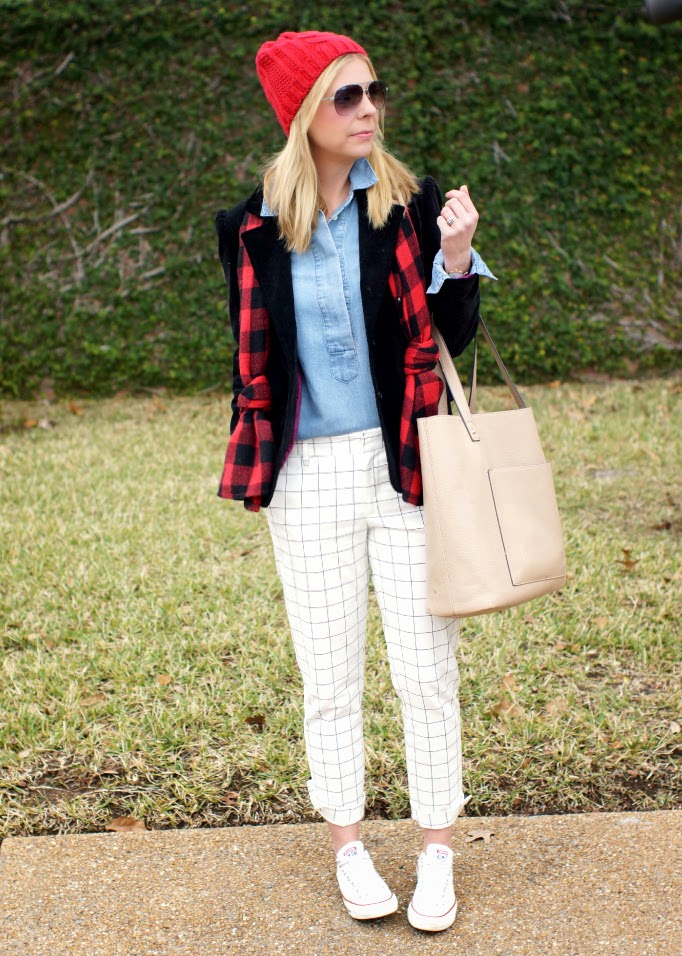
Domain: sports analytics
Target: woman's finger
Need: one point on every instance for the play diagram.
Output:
(444, 230)
(462, 195)
(454, 208)
(449, 214)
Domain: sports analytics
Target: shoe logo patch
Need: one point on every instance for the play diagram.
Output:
(351, 851)
(441, 855)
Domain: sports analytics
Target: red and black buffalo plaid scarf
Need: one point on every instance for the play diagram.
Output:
(250, 457)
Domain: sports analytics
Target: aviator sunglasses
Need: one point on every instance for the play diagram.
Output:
(347, 98)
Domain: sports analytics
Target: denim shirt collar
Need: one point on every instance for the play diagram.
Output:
(361, 177)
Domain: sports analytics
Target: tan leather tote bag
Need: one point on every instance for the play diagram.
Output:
(493, 532)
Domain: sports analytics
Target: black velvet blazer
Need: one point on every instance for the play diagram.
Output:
(454, 309)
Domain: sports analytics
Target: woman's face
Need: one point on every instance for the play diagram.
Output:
(344, 138)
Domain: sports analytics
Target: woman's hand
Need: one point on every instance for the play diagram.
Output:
(456, 236)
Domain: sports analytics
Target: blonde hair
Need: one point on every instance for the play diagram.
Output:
(290, 181)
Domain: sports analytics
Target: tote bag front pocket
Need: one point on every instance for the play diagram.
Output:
(530, 526)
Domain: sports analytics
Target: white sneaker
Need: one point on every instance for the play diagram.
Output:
(433, 906)
(364, 892)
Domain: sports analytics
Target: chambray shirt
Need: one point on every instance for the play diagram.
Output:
(337, 394)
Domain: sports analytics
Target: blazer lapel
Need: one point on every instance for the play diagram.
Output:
(377, 252)
(272, 265)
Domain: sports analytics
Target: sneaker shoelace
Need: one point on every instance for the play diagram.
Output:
(360, 873)
(434, 878)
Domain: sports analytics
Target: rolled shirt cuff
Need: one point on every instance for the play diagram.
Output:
(439, 275)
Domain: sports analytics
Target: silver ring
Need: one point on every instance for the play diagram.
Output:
(450, 221)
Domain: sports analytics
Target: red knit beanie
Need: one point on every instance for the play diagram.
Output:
(288, 67)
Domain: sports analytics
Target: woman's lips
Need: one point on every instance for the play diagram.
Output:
(365, 133)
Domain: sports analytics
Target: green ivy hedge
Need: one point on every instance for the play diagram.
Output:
(125, 127)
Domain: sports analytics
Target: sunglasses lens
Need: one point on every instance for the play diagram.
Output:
(377, 94)
(347, 98)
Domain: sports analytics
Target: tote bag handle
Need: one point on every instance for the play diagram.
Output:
(449, 374)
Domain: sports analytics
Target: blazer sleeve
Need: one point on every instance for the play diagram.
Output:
(227, 224)
(455, 307)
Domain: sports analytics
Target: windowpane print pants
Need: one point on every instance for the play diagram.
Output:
(335, 517)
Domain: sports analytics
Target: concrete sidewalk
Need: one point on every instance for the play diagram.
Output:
(592, 884)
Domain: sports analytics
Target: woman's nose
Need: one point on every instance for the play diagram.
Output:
(367, 107)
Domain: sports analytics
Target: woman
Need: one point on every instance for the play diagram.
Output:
(328, 264)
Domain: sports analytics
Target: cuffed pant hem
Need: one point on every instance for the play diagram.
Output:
(340, 816)
(439, 819)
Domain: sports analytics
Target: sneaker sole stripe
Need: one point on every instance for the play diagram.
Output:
(375, 903)
(431, 924)
(434, 915)
(372, 911)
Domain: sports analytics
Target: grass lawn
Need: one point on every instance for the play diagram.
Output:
(147, 669)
